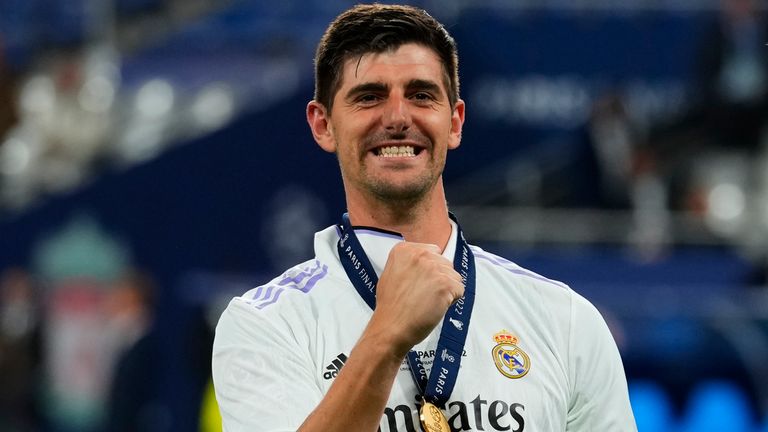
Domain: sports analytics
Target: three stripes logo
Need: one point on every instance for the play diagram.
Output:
(333, 369)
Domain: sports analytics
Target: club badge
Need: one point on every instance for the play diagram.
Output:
(510, 360)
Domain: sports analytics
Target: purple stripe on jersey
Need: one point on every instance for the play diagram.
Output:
(296, 279)
(313, 280)
(258, 293)
(514, 268)
(378, 234)
(268, 293)
(269, 302)
(305, 289)
(293, 280)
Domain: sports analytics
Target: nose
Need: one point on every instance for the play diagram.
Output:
(397, 115)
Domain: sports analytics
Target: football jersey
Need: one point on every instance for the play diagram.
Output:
(538, 356)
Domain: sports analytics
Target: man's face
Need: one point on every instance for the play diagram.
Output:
(392, 123)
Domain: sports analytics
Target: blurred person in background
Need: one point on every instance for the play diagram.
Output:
(135, 399)
(343, 342)
(730, 100)
(605, 158)
(131, 393)
(733, 75)
(19, 351)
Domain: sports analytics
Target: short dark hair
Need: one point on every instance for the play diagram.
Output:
(378, 28)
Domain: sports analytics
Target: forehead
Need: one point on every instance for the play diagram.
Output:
(401, 65)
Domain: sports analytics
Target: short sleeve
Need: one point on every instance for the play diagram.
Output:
(599, 400)
(262, 375)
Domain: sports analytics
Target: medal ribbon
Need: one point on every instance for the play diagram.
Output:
(436, 388)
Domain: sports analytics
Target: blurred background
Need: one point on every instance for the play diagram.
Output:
(155, 161)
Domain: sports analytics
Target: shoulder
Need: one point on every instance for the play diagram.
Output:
(280, 313)
(263, 305)
(503, 268)
(302, 288)
(296, 296)
(304, 282)
(549, 299)
(536, 287)
(300, 280)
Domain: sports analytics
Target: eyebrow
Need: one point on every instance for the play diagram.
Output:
(379, 87)
(375, 87)
(423, 85)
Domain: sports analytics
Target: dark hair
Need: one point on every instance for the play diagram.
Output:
(379, 28)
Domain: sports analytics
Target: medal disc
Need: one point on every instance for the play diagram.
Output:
(433, 419)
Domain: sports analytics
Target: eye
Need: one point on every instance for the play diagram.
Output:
(422, 97)
(368, 99)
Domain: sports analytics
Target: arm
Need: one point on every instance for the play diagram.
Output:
(599, 397)
(359, 394)
(415, 289)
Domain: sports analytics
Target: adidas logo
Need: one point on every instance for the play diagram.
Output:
(335, 366)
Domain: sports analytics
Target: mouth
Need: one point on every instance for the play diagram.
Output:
(397, 151)
(389, 148)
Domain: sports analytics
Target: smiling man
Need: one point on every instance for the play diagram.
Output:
(398, 322)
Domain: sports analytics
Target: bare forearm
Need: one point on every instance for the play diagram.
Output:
(415, 289)
(357, 398)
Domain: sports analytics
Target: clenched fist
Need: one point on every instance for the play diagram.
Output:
(416, 288)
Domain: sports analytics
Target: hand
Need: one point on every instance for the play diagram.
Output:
(416, 288)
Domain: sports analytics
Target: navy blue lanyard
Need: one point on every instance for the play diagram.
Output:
(436, 388)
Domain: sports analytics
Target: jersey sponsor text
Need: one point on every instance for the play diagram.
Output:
(477, 415)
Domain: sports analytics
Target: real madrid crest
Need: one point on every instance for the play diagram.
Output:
(510, 360)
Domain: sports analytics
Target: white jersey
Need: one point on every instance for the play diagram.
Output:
(538, 356)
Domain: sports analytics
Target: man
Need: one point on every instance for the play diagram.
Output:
(397, 321)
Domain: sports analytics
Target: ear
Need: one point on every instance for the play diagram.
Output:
(457, 123)
(319, 122)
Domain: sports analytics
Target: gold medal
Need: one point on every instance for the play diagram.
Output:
(433, 419)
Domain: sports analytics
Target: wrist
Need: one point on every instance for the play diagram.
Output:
(384, 342)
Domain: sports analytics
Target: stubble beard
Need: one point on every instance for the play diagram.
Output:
(406, 193)
(402, 195)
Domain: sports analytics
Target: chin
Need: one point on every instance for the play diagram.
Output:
(412, 192)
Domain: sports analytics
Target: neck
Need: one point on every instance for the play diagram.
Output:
(425, 221)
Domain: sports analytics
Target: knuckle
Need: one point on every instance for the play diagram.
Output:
(424, 258)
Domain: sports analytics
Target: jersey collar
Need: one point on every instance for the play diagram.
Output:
(378, 243)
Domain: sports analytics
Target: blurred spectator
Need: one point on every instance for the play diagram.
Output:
(605, 156)
(19, 351)
(89, 319)
(132, 404)
(137, 397)
(733, 75)
(730, 102)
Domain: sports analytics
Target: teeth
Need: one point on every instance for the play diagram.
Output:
(397, 151)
